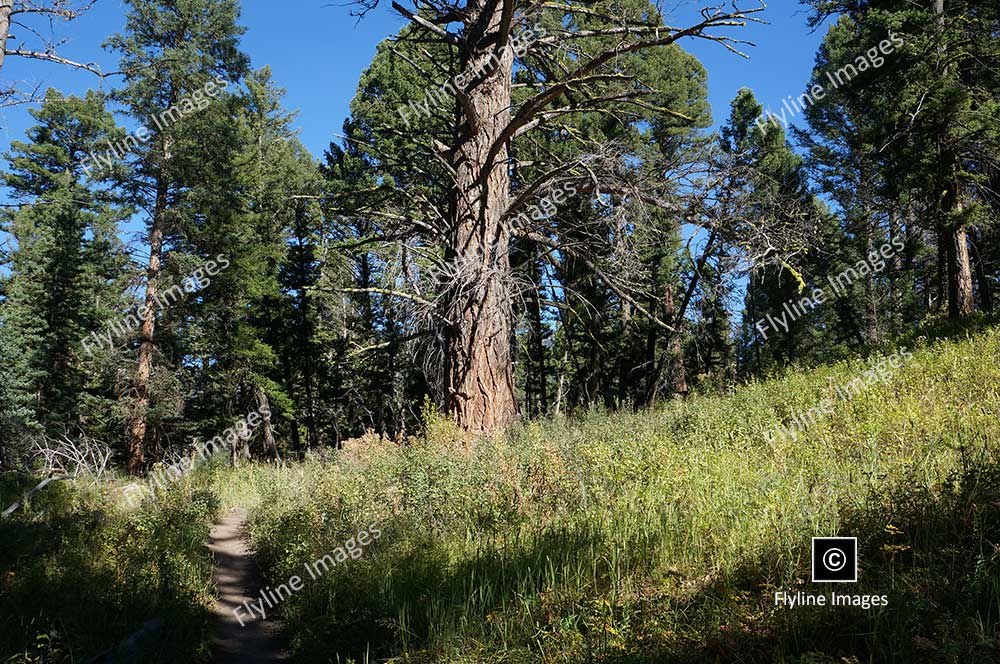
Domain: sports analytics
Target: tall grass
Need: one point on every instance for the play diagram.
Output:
(78, 574)
(659, 536)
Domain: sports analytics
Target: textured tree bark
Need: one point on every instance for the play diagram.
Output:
(269, 444)
(135, 444)
(479, 384)
(6, 8)
(960, 300)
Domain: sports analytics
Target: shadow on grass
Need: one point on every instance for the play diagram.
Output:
(76, 578)
(414, 597)
(934, 555)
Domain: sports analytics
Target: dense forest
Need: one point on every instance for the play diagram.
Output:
(529, 222)
(593, 246)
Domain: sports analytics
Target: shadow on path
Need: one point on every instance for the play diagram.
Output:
(237, 579)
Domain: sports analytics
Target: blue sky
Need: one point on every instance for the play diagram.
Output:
(317, 52)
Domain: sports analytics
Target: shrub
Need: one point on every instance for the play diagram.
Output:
(78, 574)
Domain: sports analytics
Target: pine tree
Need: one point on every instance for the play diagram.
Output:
(772, 201)
(68, 268)
(933, 112)
(258, 202)
(597, 80)
(177, 56)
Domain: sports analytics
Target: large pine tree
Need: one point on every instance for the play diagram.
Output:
(171, 50)
(67, 268)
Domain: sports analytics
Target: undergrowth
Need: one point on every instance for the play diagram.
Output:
(79, 574)
(658, 536)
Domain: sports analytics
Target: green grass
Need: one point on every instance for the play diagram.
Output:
(614, 538)
(659, 536)
(78, 573)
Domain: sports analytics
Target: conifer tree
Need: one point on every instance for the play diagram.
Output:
(571, 57)
(177, 56)
(772, 201)
(257, 198)
(933, 112)
(67, 270)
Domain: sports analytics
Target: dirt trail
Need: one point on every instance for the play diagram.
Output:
(237, 580)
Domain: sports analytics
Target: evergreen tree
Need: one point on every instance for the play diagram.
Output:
(251, 318)
(773, 202)
(68, 267)
(177, 55)
(933, 114)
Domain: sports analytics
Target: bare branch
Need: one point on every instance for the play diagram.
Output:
(52, 57)
(427, 25)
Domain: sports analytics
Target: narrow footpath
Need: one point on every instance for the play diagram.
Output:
(237, 579)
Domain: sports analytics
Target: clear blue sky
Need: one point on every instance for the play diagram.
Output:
(317, 51)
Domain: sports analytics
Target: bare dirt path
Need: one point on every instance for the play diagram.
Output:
(237, 580)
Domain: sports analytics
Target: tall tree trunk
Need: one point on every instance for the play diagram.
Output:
(479, 383)
(306, 347)
(562, 380)
(6, 8)
(757, 341)
(911, 237)
(136, 432)
(960, 300)
(672, 356)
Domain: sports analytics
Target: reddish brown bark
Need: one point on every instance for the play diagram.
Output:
(479, 383)
(135, 443)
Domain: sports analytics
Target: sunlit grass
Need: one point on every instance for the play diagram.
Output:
(649, 537)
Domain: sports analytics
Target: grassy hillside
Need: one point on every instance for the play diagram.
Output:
(615, 538)
(660, 536)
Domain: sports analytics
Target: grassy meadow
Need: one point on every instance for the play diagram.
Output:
(659, 536)
(79, 573)
(620, 538)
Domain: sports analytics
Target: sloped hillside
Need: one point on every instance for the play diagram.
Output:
(661, 536)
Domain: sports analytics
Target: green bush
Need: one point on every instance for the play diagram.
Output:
(78, 574)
